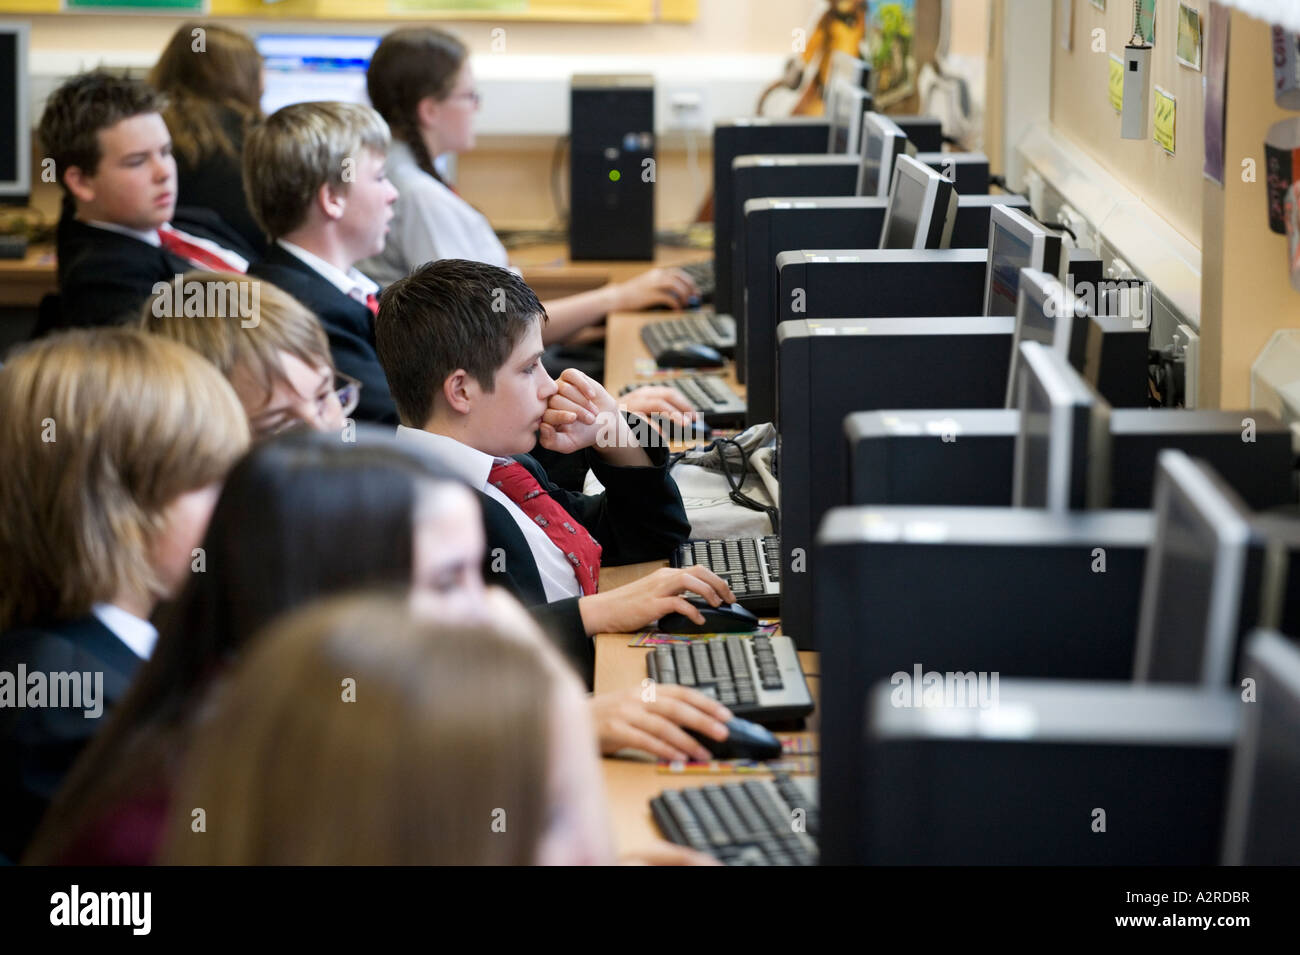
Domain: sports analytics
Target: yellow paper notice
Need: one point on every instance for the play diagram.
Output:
(1116, 83)
(1166, 110)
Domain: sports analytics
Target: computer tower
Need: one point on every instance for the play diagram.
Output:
(1259, 469)
(952, 457)
(843, 283)
(923, 132)
(1016, 591)
(611, 167)
(744, 137)
(829, 369)
(776, 225)
(1060, 773)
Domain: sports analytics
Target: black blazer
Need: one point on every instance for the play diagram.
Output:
(348, 324)
(216, 182)
(639, 517)
(104, 276)
(39, 745)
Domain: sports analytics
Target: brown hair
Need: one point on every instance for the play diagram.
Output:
(102, 429)
(449, 314)
(223, 72)
(447, 731)
(299, 148)
(409, 64)
(81, 107)
(235, 343)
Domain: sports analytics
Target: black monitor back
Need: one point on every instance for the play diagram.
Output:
(844, 283)
(1116, 360)
(829, 369)
(1072, 774)
(743, 137)
(923, 132)
(1016, 591)
(950, 457)
(1251, 450)
(775, 225)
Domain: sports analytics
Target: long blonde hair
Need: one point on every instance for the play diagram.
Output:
(355, 734)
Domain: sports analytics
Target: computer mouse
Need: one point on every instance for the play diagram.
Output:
(672, 431)
(724, 618)
(690, 355)
(745, 740)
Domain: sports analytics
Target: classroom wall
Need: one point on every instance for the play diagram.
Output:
(1246, 291)
(1170, 185)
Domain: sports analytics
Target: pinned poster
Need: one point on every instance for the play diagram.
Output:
(1165, 113)
(1116, 83)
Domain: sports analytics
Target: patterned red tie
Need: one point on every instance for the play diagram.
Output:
(177, 244)
(372, 303)
(579, 547)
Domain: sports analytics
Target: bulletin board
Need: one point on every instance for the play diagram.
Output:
(1081, 110)
(589, 11)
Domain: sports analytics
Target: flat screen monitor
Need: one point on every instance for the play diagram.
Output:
(310, 67)
(1045, 313)
(922, 208)
(1261, 818)
(1062, 452)
(845, 109)
(882, 143)
(1015, 242)
(15, 121)
(1192, 589)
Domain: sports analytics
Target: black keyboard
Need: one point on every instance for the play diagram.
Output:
(750, 565)
(702, 275)
(716, 331)
(713, 398)
(758, 678)
(752, 822)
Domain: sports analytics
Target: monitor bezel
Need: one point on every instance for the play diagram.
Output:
(932, 183)
(21, 186)
(839, 89)
(1034, 290)
(1041, 242)
(1217, 507)
(895, 144)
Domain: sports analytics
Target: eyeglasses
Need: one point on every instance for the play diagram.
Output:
(346, 391)
(474, 96)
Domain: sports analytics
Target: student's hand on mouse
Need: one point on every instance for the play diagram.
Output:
(672, 288)
(626, 719)
(666, 853)
(628, 608)
(660, 400)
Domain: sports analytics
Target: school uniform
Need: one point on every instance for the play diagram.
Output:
(430, 222)
(640, 517)
(216, 182)
(39, 744)
(345, 303)
(107, 271)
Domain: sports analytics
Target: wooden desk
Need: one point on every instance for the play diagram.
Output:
(631, 783)
(546, 268)
(23, 282)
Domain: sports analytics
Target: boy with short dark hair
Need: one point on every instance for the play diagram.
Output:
(461, 344)
(112, 154)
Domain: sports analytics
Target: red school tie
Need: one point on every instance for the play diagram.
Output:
(372, 303)
(579, 547)
(176, 243)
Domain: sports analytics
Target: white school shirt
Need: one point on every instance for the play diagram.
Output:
(430, 222)
(351, 283)
(150, 236)
(474, 466)
(139, 635)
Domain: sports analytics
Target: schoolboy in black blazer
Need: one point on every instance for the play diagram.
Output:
(460, 343)
(112, 154)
